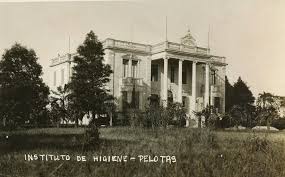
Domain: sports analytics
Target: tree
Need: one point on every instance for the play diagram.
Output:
(60, 105)
(240, 104)
(229, 94)
(243, 115)
(242, 94)
(266, 100)
(88, 83)
(267, 108)
(23, 94)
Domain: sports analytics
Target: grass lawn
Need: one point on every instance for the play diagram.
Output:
(165, 152)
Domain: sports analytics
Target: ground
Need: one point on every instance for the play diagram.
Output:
(180, 152)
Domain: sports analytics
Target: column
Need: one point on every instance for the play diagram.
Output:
(207, 85)
(138, 69)
(130, 68)
(165, 81)
(193, 97)
(179, 95)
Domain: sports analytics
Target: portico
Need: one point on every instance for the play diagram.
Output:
(179, 89)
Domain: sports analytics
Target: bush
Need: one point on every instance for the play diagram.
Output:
(212, 118)
(158, 116)
(153, 117)
(279, 123)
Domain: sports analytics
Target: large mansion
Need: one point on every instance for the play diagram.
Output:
(167, 72)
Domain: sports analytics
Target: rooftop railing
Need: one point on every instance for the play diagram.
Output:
(112, 43)
(126, 45)
(178, 47)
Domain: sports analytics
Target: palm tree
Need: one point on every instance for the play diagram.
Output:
(266, 100)
(60, 99)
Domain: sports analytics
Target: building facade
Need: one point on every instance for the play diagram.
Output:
(169, 72)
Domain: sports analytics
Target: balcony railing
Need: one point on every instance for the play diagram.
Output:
(130, 81)
(215, 89)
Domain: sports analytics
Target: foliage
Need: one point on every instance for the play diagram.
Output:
(177, 114)
(155, 116)
(158, 116)
(55, 113)
(229, 95)
(244, 115)
(240, 109)
(210, 116)
(267, 109)
(242, 93)
(88, 83)
(23, 94)
(267, 100)
(59, 104)
(278, 123)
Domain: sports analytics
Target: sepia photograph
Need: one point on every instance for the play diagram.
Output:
(142, 88)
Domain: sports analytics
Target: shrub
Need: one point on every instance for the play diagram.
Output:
(159, 116)
(177, 114)
(212, 118)
(279, 123)
(154, 117)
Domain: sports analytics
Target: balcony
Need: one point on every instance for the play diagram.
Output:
(130, 83)
(216, 90)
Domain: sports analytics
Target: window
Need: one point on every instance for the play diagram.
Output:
(134, 68)
(184, 77)
(54, 78)
(154, 73)
(172, 74)
(125, 67)
(62, 76)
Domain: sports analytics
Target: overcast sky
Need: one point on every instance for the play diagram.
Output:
(249, 33)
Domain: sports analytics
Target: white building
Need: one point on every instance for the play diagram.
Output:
(179, 72)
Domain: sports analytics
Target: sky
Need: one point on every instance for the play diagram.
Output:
(249, 33)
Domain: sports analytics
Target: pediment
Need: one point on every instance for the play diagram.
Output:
(188, 39)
